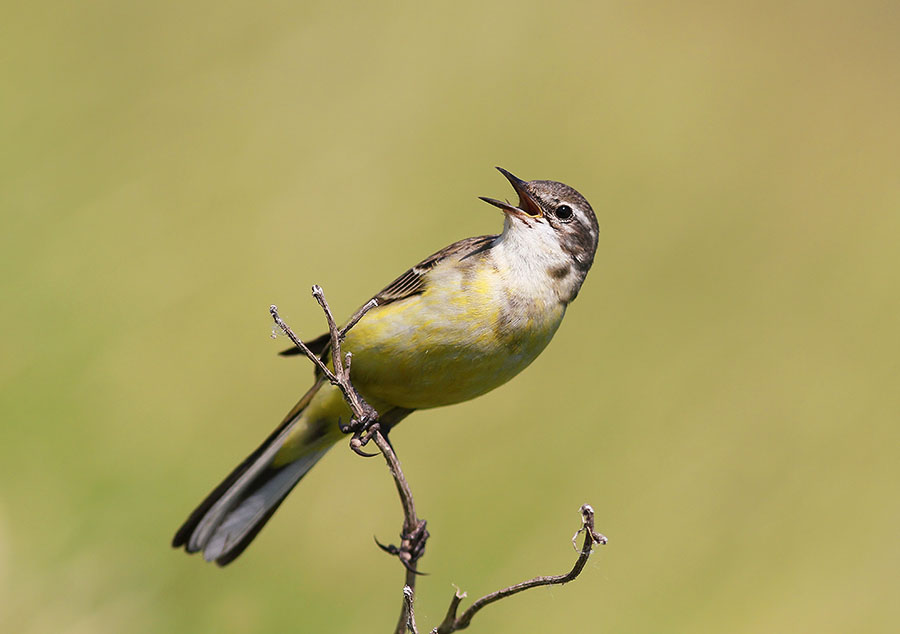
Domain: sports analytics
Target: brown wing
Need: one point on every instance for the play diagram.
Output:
(410, 283)
(413, 281)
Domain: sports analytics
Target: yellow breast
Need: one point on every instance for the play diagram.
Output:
(470, 331)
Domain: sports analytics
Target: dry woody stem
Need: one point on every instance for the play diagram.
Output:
(364, 427)
(452, 623)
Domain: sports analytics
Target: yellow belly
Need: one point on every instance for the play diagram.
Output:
(465, 335)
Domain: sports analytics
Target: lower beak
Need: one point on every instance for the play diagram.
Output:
(528, 206)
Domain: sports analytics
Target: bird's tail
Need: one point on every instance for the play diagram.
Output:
(225, 523)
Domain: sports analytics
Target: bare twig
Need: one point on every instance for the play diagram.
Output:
(452, 623)
(273, 310)
(364, 427)
(372, 303)
(414, 535)
(408, 596)
(450, 619)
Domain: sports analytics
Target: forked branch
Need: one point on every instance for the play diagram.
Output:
(452, 622)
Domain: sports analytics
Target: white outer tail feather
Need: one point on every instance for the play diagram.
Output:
(234, 524)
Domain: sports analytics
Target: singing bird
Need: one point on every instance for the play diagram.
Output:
(455, 326)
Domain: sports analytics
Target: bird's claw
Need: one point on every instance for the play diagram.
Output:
(390, 549)
(357, 443)
(362, 429)
(362, 424)
(361, 436)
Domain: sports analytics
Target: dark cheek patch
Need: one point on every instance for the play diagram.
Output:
(580, 247)
(559, 272)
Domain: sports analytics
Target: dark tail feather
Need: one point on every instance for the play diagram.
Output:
(181, 537)
(228, 519)
(241, 545)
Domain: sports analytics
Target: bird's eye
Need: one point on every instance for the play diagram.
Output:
(564, 212)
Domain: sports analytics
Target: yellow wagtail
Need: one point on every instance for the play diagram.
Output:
(453, 327)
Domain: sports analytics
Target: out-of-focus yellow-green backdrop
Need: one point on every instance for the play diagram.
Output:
(724, 390)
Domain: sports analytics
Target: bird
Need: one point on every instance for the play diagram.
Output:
(462, 322)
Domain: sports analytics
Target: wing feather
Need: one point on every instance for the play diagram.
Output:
(412, 282)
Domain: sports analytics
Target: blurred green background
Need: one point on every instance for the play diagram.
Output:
(727, 380)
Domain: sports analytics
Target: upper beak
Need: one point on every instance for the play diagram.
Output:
(528, 206)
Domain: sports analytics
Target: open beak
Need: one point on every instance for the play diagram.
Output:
(528, 206)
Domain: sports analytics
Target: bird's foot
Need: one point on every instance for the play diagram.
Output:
(411, 549)
(362, 428)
